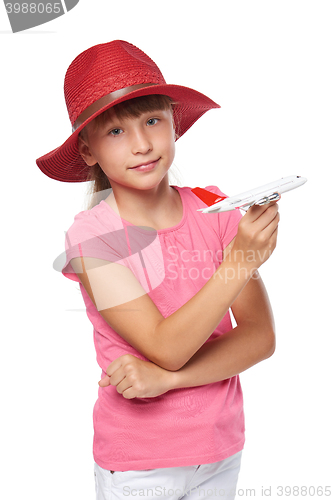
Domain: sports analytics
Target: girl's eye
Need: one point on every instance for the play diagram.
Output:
(152, 121)
(116, 131)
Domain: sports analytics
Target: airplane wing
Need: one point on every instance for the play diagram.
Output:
(258, 196)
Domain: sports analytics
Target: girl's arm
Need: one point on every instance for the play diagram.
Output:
(252, 341)
(171, 342)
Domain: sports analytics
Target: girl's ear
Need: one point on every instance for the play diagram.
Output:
(85, 152)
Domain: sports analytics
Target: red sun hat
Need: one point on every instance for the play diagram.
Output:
(101, 77)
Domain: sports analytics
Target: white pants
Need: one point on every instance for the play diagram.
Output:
(217, 480)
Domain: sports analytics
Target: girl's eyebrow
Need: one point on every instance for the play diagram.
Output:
(110, 122)
(117, 122)
(110, 119)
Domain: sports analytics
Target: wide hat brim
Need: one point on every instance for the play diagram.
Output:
(66, 164)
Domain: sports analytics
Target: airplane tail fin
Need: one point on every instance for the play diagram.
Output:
(207, 197)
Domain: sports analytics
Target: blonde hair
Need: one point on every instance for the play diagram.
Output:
(100, 185)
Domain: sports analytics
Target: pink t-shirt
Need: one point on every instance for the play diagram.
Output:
(187, 426)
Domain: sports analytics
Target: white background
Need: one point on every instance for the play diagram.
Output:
(269, 65)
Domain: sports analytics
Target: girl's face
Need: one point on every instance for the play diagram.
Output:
(134, 152)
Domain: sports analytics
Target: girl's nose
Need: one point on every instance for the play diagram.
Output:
(141, 143)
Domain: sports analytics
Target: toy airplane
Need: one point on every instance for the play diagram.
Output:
(258, 196)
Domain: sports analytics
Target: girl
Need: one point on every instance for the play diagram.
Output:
(158, 279)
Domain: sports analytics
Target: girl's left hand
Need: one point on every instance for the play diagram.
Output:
(135, 378)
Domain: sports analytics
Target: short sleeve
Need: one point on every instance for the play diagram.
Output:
(87, 237)
(227, 221)
(100, 235)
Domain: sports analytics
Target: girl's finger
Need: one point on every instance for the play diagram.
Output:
(114, 366)
(124, 385)
(272, 226)
(104, 382)
(118, 376)
(257, 211)
(267, 216)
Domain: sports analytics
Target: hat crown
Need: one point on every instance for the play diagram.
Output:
(103, 69)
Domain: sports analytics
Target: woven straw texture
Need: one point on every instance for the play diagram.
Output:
(103, 69)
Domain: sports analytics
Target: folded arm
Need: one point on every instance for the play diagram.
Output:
(171, 342)
(252, 341)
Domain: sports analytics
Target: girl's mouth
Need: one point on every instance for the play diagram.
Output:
(146, 167)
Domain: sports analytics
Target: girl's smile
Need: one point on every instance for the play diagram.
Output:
(146, 167)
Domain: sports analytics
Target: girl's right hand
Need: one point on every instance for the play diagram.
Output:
(257, 236)
(136, 378)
